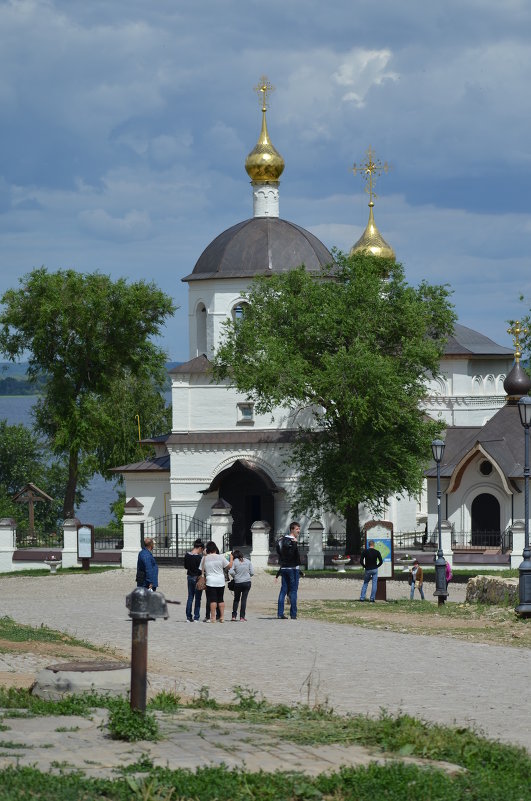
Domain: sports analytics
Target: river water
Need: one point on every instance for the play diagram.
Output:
(98, 495)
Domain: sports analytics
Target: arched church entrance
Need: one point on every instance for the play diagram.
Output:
(249, 490)
(485, 520)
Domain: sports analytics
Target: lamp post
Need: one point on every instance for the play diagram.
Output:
(441, 592)
(524, 582)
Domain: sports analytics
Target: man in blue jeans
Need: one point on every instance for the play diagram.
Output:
(289, 560)
(370, 559)
(192, 560)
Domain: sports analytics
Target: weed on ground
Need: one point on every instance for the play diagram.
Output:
(12, 631)
(490, 771)
(473, 622)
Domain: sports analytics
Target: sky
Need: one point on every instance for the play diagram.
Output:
(125, 126)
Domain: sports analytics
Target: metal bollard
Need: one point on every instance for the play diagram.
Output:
(144, 605)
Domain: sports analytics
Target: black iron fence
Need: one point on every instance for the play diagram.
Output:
(414, 541)
(174, 535)
(481, 540)
(107, 539)
(38, 539)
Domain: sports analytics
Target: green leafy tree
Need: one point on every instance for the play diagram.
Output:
(351, 349)
(25, 458)
(86, 333)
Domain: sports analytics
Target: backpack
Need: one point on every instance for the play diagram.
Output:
(287, 548)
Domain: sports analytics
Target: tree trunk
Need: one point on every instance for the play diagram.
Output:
(71, 486)
(352, 519)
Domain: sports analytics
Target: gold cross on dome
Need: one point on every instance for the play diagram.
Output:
(264, 89)
(516, 332)
(371, 169)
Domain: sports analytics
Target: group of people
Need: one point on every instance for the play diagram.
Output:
(206, 562)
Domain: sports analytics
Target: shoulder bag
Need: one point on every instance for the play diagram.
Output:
(200, 584)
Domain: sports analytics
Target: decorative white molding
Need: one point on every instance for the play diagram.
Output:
(265, 200)
(450, 401)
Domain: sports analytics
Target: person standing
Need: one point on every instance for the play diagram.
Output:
(289, 559)
(241, 571)
(213, 564)
(370, 559)
(448, 574)
(147, 570)
(192, 562)
(416, 579)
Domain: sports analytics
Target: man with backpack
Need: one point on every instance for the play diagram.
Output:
(289, 560)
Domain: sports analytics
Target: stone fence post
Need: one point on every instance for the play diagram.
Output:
(69, 552)
(132, 520)
(260, 552)
(8, 532)
(315, 545)
(518, 529)
(221, 522)
(446, 541)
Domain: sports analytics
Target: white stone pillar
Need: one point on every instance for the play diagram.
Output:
(69, 552)
(446, 541)
(260, 552)
(8, 532)
(221, 522)
(518, 529)
(315, 545)
(132, 520)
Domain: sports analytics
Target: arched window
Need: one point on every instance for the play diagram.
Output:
(201, 329)
(238, 311)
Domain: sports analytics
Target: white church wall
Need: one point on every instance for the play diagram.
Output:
(218, 297)
(150, 491)
(468, 392)
(198, 405)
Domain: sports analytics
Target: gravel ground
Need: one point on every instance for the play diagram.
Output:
(439, 679)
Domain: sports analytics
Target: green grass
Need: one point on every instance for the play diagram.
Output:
(12, 631)
(460, 575)
(491, 771)
(473, 622)
(68, 571)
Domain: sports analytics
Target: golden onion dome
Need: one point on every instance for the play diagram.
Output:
(264, 163)
(372, 241)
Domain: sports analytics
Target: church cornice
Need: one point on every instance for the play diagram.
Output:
(449, 401)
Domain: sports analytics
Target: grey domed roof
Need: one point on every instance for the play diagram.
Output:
(260, 246)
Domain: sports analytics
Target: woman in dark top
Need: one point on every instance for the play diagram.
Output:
(192, 560)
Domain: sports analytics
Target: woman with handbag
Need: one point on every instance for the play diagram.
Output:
(241, 571)
(212, 566)
(416, 580)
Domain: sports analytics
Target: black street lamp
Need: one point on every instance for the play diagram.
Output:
(524, 583)
(441, 591)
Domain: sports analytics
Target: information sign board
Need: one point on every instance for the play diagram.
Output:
(85, 541)
(381, 531)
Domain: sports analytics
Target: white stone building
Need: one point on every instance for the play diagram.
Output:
(219, 447)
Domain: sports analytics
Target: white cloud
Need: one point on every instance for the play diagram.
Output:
(134, 226)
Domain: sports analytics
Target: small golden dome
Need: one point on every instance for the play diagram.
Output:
(264, 164)
(371, 240)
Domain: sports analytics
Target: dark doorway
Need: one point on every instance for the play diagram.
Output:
(249, 492)
(485, 521)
